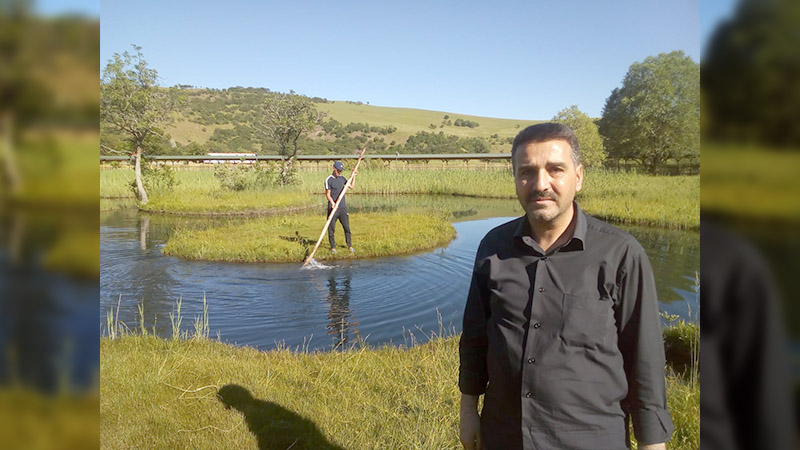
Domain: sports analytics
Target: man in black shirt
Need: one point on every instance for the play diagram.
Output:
(561, 328)
(334, 185)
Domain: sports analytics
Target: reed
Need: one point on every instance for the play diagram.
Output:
(664, 201)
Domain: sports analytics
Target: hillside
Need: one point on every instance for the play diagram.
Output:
(223, 120)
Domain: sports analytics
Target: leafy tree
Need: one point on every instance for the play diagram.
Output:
(655, 115)
(22, 96)
(132, 102)
(589, 140)
(286, 118)
(749, 75)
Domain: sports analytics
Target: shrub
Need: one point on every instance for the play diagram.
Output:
(681, 345)
(157, 178)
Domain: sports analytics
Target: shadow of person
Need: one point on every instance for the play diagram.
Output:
(275, 427)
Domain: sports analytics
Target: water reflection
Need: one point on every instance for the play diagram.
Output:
(48, 301)
(340, 325)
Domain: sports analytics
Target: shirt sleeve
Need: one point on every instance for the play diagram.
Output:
(327, 187)
(642, 347)
(472, 371)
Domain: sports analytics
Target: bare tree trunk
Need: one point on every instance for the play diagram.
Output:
(287, 166)
(138, 172)
(7, 154)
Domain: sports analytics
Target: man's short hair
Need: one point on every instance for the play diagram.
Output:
(543, 132)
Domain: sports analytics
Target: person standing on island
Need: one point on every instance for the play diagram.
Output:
(561, 330)
(334, 185)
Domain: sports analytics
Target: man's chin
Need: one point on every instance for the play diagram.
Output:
(540, 214)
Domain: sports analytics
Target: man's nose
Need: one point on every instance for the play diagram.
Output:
(542, 182)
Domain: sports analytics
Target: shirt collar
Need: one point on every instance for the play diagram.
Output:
(578, 241)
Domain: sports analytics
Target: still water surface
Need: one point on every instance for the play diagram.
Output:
(398, 300)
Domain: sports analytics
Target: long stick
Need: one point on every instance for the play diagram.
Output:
(335, 207)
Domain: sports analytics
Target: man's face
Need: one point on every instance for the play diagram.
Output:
(546, 179)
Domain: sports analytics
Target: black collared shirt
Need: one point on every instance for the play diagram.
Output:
(564, 344)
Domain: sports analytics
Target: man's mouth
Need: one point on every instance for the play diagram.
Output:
(542, 199)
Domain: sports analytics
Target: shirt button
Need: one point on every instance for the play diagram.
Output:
(541, 289)
(544, 258)
(531, 360)
(529, 395)
(537, 325)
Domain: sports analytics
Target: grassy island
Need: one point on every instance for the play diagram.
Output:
(290, 238)
(204, 394)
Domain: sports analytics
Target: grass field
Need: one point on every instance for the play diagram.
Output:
(290, 238)
(185, 131)
(665, 201)
(408, 121)
(203, 394)
(57, 168)
(32, 420)
(751, 182)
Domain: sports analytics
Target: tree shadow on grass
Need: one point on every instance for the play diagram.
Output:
(275, 427)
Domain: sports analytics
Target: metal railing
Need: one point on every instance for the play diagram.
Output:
(408, 157)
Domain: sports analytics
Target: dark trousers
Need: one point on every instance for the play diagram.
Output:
(342, 215)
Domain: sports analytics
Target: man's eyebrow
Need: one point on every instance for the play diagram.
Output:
(556, 164)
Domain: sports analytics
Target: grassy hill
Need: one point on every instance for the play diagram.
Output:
(207, 112)
(409, 121)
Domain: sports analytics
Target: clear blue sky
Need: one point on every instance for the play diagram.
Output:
(88, 8)
(523, 59)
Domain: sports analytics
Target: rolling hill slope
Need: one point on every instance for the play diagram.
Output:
(209, 111)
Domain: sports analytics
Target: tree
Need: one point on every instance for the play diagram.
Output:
(589, 140)
(286, 118)
(22, 96)
(132, 102)
(655, 115)
(749, 75)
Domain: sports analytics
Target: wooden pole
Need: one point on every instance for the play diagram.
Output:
(335, 207)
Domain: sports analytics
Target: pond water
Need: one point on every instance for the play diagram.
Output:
(48, 313)
(399, 300)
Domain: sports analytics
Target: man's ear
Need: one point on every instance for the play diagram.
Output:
(579, 176)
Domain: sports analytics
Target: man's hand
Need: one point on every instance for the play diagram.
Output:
(661, 446)
(470, 424)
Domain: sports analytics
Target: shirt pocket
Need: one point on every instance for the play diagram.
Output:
(585, 320)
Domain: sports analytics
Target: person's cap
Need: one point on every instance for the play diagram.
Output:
(338, 166)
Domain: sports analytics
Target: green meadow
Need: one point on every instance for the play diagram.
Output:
(200, 393)
(664, 201)
(32, 420)
(408, 121)
(751, 182)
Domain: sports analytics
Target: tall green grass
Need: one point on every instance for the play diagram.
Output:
(665, 201)
(203, 394)
(751, 182)
(32, 420)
